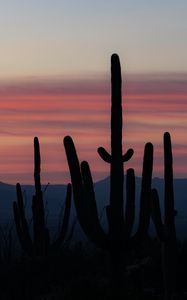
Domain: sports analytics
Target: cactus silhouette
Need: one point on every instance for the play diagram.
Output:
(119, 238)
(116, 159)
(40, 245)
(166, 230)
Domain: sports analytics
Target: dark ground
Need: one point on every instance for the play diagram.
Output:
(82, 272)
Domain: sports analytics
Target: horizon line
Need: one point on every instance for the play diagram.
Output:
(95, 182)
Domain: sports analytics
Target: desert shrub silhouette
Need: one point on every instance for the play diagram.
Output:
(40, 245)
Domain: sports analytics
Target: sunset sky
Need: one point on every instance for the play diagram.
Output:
(55, 81)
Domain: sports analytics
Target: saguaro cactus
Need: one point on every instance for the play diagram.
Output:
(40, 245)
(116, 159)
(166, 230)
(120, 226)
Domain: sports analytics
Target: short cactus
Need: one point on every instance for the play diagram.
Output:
(40, 245)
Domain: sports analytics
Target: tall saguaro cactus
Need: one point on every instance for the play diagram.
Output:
(40, 245)
(166, 230)
(120, 226)
(116, 159)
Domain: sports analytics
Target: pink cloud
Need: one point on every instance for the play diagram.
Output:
(52, 109)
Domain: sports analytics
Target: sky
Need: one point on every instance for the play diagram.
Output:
(55, 81)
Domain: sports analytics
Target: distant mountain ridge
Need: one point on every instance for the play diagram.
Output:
(54, 196)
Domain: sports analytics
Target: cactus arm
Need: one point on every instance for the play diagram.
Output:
(39, 229)
(104, 155)
(166, 231)
(84, 196)
(90, 202)
(66, 218)
(145, 196)
(22, 219)
(127, 155)
(170, 212)
(66, 213)
(156, 215)
(19, 229)
(76, 178)
(170, 244)
(97, 234)
(21, 222)
(74, 168)
(20, 202)
(37, 182)
(130, 202)
(108, 158)
(169, 193)
(37, 169)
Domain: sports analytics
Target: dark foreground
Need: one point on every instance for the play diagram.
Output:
(80, 272)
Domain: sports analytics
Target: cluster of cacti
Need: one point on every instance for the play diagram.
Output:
(40, 245)
(166, 230)
(119, 238)
(120, 226)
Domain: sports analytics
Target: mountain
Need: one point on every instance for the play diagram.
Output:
(54, 196)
